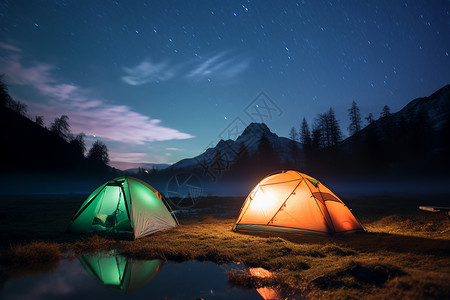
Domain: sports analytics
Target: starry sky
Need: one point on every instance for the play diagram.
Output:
(158, 81)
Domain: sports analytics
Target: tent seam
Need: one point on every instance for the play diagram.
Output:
(279, 209)
(320, 209)
(239, 218)
(326, 207)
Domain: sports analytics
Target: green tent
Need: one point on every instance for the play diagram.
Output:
(119, 273)
(124, 205)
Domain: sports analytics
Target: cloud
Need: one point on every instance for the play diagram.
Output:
(174, 149)
(10, 47)
(128, 157)
(222, 66)
(205, 67)
(89, 115)
(147, 71)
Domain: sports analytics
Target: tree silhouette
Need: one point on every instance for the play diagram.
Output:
(19, 107)
(266, 157)
(293, 134)
(242, 152)
(5, 98)
(330, 132)
(61, 127)
(386, 111)
(218, 165)
(370, 119)
(7, 101)
(316, 139)
(154, 170)
(294, 149)
(355, 119)
(335, 130)
(305, 135)
(39, 120)
(99, 152)
(79, 144)
(242, 161)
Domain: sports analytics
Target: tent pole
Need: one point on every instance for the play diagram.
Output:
(171, 211)
(86, 206)
(126, 206)
(320, 209)
(241, 215)
(284, 202)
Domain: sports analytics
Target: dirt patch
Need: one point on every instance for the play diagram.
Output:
(356, 275)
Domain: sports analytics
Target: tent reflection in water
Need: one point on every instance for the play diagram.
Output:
(295, 203)
(119, 273)
(266, 292)
(124, 205)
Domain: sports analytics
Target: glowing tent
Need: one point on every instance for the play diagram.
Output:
(118, 273)
(297, 203)
(124, 205)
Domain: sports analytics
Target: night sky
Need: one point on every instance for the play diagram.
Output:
(159, 81)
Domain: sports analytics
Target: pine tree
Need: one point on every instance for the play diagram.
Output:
(322, 125)
(335, 130)
(61, 127)
(218, 164)
(386, 112)
(294, 149)
(370, 119)
(19, 107)
(355, 119)
(5, 98)
(293, 134)
(266, 156)
(242, 157)
(305, 134)
(328, 127)
(39, 120)
(317, 138)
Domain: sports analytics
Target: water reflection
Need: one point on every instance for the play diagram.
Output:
(119, 273)
(130, 279)
(265, 292)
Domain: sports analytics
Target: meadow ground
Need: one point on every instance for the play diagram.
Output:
(404, 254)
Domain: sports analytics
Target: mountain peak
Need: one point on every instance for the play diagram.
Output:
(256, 128)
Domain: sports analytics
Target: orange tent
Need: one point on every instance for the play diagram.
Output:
(297, 203)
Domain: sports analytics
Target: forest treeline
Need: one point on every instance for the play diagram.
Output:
(402, 143)
(59, 126)
(410, 143)
(326, 132)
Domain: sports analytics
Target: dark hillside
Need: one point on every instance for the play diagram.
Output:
(414, 141)
(28, 146)
(35, 160)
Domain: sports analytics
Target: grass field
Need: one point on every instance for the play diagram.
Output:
(405, 254)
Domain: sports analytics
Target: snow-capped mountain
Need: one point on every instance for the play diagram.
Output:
(250, 139)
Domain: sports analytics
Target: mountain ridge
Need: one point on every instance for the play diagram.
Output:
(383, 145)
(230, 150)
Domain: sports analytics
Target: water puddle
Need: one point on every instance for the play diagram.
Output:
(101, 275)
(265, 292)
